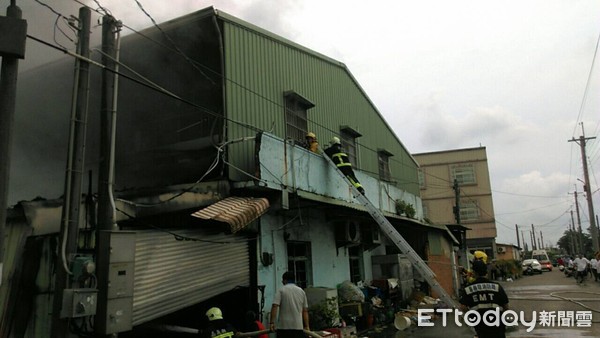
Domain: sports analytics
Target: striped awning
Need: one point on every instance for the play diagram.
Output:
(235, 211)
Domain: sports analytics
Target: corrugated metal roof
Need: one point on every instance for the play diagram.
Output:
(235, 211)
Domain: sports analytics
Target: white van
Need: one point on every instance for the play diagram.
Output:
(542, 257)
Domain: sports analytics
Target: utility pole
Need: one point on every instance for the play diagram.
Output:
(69, 229)
(524, 242)
(541, 240)
(570, 237)
(464, 260)
(13, 33)
(456, 201)
(579, 232)
(534, 246)
(517, 231)
(587, 189)
(532, 240)
(106, 208)
(574, 244)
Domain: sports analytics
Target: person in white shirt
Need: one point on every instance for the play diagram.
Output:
(598, 264)
(594, 268)
(581, 263)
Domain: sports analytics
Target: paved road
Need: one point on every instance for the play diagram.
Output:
(551, 292)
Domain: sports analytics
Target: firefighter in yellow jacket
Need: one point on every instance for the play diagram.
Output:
(217, 326)
(311, 142)
(342, 161)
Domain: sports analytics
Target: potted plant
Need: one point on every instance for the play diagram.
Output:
(404, 208)
(324, 314)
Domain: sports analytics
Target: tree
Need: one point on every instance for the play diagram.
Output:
(565, 243)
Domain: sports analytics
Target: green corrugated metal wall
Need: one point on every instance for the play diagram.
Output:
(259, 68)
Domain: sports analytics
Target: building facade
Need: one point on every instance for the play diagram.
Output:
(469, 169)
(212, 180)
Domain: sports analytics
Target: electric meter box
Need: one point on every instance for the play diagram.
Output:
(121, 266)
(120, 280)
(79, 303)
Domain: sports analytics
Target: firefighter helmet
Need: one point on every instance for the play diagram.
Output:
(335, 140)
(480, 255)
(311, 134)
(214, 313)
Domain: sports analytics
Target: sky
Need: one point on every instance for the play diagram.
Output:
(517, 77)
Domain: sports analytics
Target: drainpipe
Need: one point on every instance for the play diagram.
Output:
(8, 96)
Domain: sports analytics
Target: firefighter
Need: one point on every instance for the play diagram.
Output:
(488, 298)
(342, 161)
(311, 142)
(480, 255)
(217, 326)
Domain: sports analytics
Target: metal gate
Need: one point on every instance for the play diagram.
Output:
(172, 272)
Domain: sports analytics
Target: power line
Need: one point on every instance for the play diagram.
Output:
(197, 64)
(173, 42)
(587, 86)
(150, 86)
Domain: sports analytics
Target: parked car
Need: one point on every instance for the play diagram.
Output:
(531, 266)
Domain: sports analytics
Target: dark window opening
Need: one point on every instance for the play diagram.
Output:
(299, 262)
(296, 117)
(383, 157)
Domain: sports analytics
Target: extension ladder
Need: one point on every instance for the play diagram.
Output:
(388, 229)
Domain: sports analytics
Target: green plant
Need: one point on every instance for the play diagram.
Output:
(407, 209)
(509, 268)
(324, 314)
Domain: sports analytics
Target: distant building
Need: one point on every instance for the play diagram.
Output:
(469, 167)
(508, 251)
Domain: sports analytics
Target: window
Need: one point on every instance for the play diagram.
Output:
(383, 157)
(299, 262)
(425, 211)
(422, 179)
(296, 119)
(469, 211)
(463, 173)
(356, 268)
(349, 144)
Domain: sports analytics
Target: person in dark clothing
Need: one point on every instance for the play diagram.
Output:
(252, 324)
(484, 295)
(342, 161)
(217, 326)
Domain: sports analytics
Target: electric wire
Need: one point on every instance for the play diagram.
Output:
(195, 62)
(56, 26)
(173, 42)
(587, 86)
(103, 9)
(150, 86)
(241, 86)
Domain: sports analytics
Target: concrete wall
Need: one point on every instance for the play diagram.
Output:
(330, 265)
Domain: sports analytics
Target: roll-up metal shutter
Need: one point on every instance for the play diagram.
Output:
(173, 274)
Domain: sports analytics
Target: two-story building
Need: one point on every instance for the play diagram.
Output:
(211, 178)
(460, 176)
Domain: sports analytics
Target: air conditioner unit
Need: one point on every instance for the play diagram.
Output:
(501, 249)
(352, 232)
